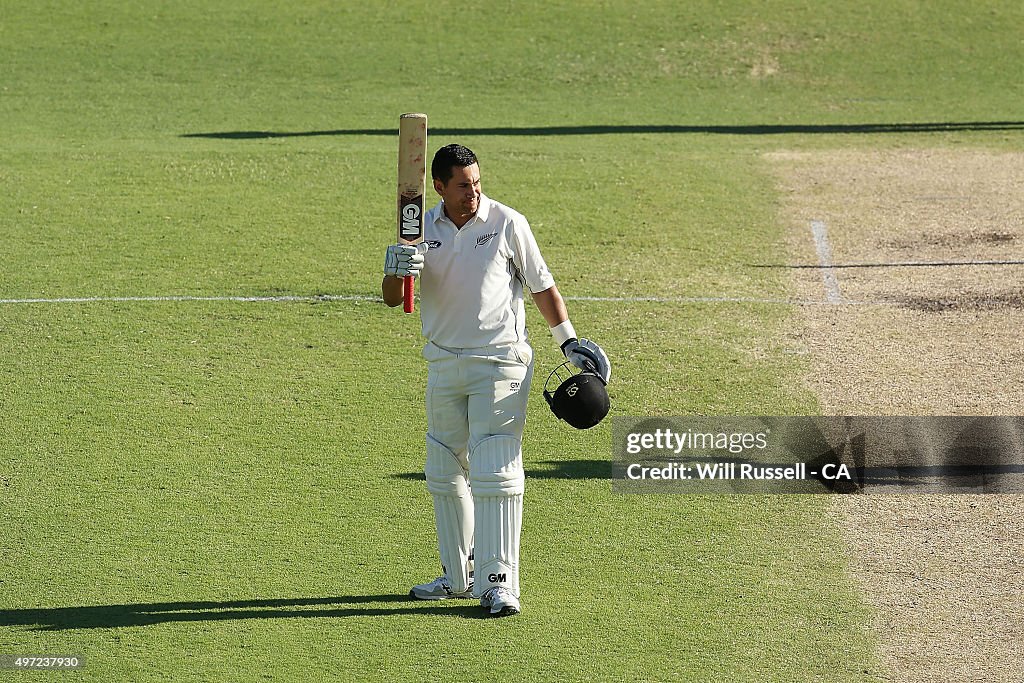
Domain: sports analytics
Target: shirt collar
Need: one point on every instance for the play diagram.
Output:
(481, 213)
(485, 208)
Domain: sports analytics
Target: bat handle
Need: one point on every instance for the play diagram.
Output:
(409, 288)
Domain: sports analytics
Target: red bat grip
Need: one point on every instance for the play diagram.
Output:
(409, 288)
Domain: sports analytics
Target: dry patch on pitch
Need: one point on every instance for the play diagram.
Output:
(930, 323)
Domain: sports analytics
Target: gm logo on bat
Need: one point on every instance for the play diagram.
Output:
(411, 220)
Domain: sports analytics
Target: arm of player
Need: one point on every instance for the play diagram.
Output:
(551, 306)
(393, 290)
(583, 353)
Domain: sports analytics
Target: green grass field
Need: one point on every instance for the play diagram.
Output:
(225, 490)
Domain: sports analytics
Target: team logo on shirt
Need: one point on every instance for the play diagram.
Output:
(434, 244)
(484, 239)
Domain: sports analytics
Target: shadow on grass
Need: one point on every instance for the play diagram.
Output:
(780, 129)
(124, 616)
(558, 469)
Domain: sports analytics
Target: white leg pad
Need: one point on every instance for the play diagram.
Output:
(453, 513)
(496, 476)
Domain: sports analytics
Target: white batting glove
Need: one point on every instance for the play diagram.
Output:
(587, 355)
(583, 353)
(403, 260)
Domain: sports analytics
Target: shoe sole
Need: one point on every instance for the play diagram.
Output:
(506, 611)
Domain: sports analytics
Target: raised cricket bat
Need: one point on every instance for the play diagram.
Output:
(412, 179)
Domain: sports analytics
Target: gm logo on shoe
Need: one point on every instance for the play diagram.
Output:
(497, 578)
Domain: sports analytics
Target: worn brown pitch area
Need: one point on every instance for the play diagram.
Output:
(945, 572)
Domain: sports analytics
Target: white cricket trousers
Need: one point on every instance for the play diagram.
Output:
(476, 393)
(476, 412)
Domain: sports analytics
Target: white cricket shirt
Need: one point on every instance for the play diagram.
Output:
(471, 285)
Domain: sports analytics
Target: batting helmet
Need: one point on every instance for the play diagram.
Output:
(580, 399)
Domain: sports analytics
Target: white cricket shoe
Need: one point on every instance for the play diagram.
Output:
(501, 602)
(439, 589)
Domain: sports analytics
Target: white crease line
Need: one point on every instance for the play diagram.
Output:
(363, 297)
(828, 273)
(696, 300)
(144, 299)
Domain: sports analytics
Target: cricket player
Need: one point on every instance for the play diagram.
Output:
(475, 260)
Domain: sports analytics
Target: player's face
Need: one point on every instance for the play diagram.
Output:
(461, 194)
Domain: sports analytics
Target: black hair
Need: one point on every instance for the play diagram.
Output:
(448, 157)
